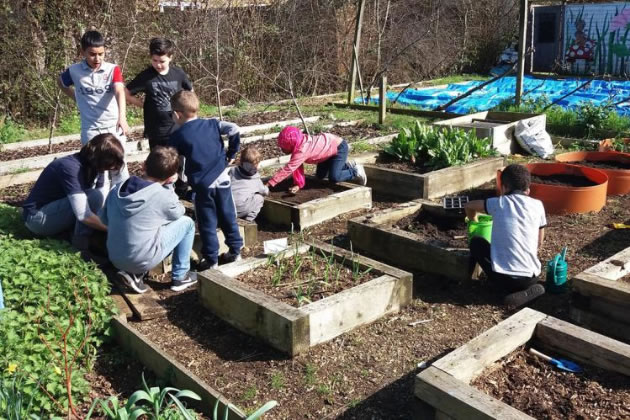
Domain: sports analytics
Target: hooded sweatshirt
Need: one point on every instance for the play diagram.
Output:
(246, 183)
(134, 213)
(307, 149)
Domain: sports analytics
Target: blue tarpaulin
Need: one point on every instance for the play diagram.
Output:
(599, 92)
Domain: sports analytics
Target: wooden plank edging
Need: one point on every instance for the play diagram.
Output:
(163, 366)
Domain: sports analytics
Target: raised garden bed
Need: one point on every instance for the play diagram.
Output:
(601, 297)
(534, 386)
(614, 164)
(444, 391)
(498, 126)
(294, 329)
(318, 202)
(565, 188)
(404, 180)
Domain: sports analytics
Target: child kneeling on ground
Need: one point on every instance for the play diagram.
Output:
(247, 187)
(518, 228)
(328, 151)
(146, 223)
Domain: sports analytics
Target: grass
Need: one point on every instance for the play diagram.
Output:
(310, 372)
(456, 78)
(249, 394)
(277, 381)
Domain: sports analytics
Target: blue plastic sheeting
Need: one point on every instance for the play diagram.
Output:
(598, 92)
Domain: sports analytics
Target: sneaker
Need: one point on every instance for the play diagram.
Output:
(188, 280)
(361, 177)
(206, 264)
(518, 299)
(229, 257)
(134, 281)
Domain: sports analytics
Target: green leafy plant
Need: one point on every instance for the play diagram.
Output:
(10, 131)
(14, 405)
(254, 416)
(438, 147)
(57, 313)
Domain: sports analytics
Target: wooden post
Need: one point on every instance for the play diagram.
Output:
(522, 47)
(355, 51)
(382, 103)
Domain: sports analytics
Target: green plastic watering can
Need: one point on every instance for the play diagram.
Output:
(556, 281)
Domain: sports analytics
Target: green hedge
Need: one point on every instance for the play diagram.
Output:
(48, 289)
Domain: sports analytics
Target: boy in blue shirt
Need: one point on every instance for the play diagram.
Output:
(146, 223)
(199, 142)
(518, 228)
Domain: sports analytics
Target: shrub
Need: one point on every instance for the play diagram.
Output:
(10, 131)
(439, 147)
(57, 313)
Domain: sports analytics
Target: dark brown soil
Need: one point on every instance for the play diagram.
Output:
(533, 386)
(391, 162)
(256, 118)
(608, 164)
(446, 232)
(565, 180)
(357, 132)
(15, 194)
(304, 278)
(268, 148)
(66, 146)
(312, 190)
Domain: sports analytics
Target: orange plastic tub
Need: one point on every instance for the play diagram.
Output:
(559, 199)
(618, 179)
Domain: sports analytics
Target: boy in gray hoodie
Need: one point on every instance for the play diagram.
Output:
(146, 223)
(248, 189)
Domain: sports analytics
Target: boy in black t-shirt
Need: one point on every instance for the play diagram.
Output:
(159, 82)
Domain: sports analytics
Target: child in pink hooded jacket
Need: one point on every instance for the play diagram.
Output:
(328, 151)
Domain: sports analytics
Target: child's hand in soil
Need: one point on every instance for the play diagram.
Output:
(294, 189)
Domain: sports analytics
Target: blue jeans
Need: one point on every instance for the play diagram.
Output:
(336, 168)
(177, 237)
(57, 216)
(214, 207)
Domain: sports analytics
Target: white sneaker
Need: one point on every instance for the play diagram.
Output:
(134, 281)
(361, 176)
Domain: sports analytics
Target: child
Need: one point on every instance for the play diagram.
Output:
(510, 261)
(247, 188)
(328, 151)
(100, 90)
(146, 223)
(199, 142)
(159, 82)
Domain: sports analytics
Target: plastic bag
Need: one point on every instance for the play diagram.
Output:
(532, 136)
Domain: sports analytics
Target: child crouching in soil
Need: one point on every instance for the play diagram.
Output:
(146, 223)
(328, 151)
(247, 187)
(510, 261)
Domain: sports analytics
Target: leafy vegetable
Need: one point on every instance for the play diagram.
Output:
(438, 147)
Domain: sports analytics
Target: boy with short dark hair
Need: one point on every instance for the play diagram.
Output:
(518, 228)
(146, 223)
(158, 82)
(248, 189)
(99, 90)
(199, 142)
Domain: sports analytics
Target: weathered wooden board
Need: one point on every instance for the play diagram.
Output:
(605, 325)
(406, 185)
(294, 330)
(612, 268)
(459, 400)
(584, 346)
(469, 360)
(144, 306)
(163, 366)
(376, 235)
(313, 212)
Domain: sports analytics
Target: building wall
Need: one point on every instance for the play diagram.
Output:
(597, 38)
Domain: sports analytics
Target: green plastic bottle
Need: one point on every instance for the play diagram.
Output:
(557, 273)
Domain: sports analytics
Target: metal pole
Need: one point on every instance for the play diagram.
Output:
(382, 103)
(522, 47)
(355, 51)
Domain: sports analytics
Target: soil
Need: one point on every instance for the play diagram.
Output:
(268, 149)
(15, 194)
(608, 164)
(305, 278)
(66, 146)
(312, 190)
(535, 387)
(386, 161)
(256, 118)
(564, 180)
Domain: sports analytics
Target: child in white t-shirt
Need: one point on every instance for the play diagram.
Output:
(510, 261)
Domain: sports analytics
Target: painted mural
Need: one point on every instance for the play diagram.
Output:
(597, 38)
